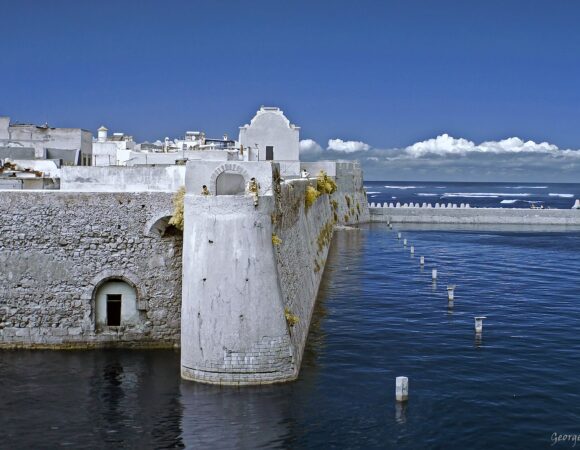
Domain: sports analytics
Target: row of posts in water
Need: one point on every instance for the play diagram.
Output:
(402, 383)
(420, 205)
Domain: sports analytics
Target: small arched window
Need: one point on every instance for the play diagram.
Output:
(116, 304)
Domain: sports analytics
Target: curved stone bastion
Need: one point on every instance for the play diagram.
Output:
(252, 265)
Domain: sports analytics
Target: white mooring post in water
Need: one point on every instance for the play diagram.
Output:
(405, 242)
(412, 249)
(451, 292)
(479, 324)
(398, 235)
(434, 274)
(422, 260)
(402, 389)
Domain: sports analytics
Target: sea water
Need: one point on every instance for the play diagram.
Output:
(488, 195)
(378, 316)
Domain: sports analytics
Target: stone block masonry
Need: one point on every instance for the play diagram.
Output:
(57, 249)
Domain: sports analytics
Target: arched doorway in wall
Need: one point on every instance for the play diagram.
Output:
(230, 183)
(116, 304)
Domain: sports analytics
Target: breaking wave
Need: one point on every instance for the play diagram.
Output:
(403, 187)
(561, 195)
(483, 194)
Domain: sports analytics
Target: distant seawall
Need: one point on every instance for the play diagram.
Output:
(480, 216)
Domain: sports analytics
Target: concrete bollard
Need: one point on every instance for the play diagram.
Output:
(479, 323)
(576, 204)
(405, 242)
(422, 260)
(398, 235)
(434, 274)
(402, 389)
(437, 205)
(391, 205)
(398, 205)
(451, 292)
(412, 249)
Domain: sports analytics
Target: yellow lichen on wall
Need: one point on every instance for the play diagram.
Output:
(310, 196)
(325, 184)
(291, 319)
(177, 217)
(276, 240)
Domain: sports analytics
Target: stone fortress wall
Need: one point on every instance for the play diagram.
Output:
(58, 249)
(251, 273)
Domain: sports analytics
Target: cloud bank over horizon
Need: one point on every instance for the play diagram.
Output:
(455, 159)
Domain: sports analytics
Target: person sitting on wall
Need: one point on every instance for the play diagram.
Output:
(305, 174)
(205, 190)
(254, 189)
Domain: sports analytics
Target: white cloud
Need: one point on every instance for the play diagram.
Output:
(308, 147)
(447, 158)
(446, 145)
(338, 145)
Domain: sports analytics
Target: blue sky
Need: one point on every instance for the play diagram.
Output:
(388, 74)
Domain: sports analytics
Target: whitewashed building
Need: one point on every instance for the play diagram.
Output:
(271, 137)
(67, 146)
(111, 150)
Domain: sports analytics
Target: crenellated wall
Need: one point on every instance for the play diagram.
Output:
(460, 214)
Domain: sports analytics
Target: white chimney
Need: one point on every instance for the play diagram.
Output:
(102, 134)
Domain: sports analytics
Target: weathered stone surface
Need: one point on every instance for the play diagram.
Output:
(55, 249)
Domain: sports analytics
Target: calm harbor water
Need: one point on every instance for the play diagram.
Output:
(378, 316)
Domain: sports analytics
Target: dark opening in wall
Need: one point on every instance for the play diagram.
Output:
(113, 310)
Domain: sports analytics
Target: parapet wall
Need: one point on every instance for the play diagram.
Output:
(492, 216)
(251, 274)
(58, 248)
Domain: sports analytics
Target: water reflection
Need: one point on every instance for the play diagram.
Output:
(380, 318)
(401, 412)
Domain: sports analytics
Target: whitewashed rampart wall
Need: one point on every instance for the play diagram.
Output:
(247, 269)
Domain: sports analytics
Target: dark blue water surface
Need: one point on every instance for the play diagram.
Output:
(378, 316)
(483, 195)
